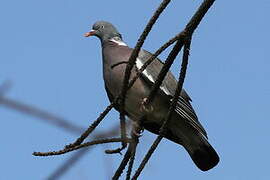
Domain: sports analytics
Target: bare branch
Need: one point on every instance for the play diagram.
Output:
(170, 59)
(130, 153)
(91, 127)
(36, 112)
(61, 170)
(123, 163)
(134, 143)
(65, 150)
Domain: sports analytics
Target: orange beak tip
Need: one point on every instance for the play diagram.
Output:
(87, 34)
(91, 33)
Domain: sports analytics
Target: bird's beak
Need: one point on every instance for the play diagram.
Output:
(91, 33)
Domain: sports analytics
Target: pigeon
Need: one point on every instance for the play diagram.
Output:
(183, 128)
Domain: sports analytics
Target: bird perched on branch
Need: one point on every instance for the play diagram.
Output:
(183, 128)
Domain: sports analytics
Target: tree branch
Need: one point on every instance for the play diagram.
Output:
(92, 127)
(65, 150)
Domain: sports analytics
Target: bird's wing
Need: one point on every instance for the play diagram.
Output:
(168, 87)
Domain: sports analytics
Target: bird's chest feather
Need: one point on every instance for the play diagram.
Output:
(113, 75)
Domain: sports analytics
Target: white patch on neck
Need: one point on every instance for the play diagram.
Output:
(118, 41)
(139, 64)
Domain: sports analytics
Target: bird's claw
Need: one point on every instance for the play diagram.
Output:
(145, 107)
(137, 133)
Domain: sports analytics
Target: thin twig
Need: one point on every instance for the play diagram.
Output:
(155, 55)
(170, 59)
(123, 129)
(130, 153)
(123, 163)
(36, 112)
(134, 143)
(131, 161)
(123, 136)
(65, 150)
(146, 158)
(198, 16)
(91, 127)
(61, 170)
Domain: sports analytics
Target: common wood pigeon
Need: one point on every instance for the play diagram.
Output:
(184, 127)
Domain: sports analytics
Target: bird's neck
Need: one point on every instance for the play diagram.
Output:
(117, 41)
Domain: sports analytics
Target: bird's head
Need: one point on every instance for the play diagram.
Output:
(104, 31)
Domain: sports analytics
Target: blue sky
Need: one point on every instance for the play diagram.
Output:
(53, 67)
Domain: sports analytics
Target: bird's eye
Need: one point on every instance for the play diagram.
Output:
(102, 27)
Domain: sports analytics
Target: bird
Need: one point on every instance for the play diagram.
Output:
(184, 127)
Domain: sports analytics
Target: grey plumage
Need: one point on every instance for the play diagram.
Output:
(184, 127)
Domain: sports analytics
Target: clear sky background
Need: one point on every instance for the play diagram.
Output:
(53, 67)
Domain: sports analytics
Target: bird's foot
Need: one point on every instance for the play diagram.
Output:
(137, 129)
(145, 107)
(137, 133)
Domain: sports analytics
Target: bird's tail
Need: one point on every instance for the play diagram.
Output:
(203, 155)
(199, 149)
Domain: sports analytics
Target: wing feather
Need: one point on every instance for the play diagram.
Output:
(168, 87)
